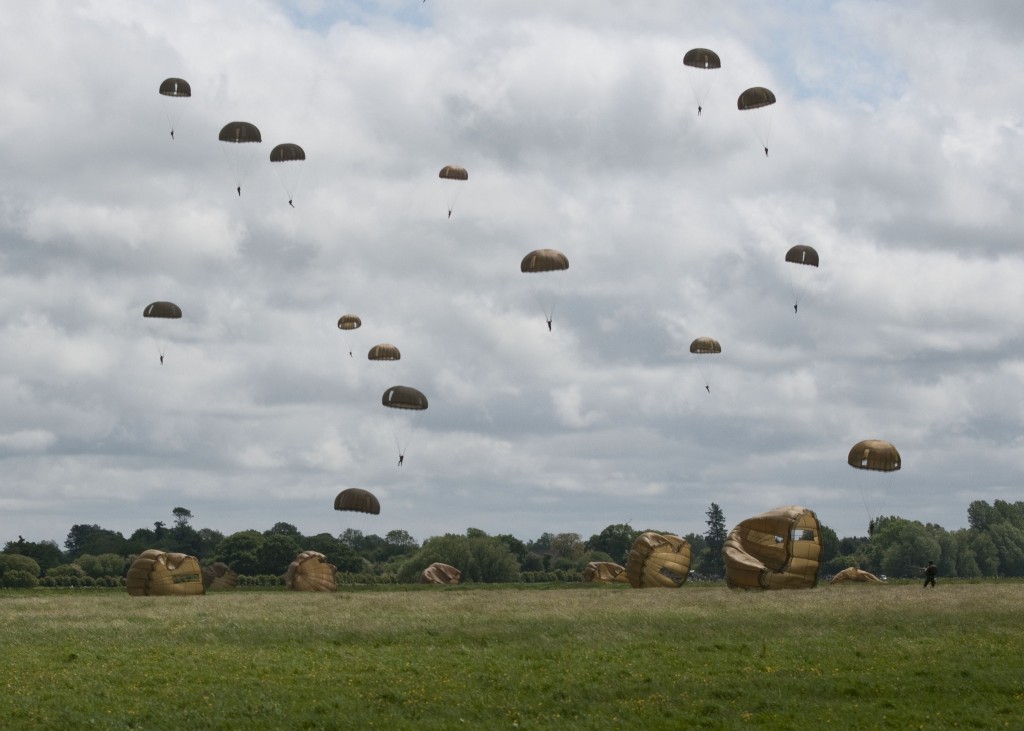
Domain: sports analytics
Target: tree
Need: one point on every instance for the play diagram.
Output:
(275, 553)
(714, 537)
(181, 517)
(285, 529)
(107, 564)
(615, 540)
(16, 562)
(238, 551)
(95, 540)
(480, 558)
(46, 553)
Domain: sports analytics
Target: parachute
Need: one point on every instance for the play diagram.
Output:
(174, 89)
(440, 573)
(755, 101)
(454, 173)
(874, 455)
(219, 576)
(404, 399)
(853, 573)
(545, 260)
(357, 500)
(806, 259)
(164, 311)
(157, 573)
(310, 571)
(239, 135)
(705, 347)
(384, 351)
(605, 572)
(780, 549)
(291, 153)
(699, 61)
(657, 560)
(349, 322)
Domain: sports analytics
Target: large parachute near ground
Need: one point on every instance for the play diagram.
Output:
(757, 103)
(874, 456)
(780, 549)
(239, 136)
(658, 560)
(605, 572)
(357, 500)
(173, 90)
(219, 576)
(158, 573)
(854, 574)
(700, 64)
(310, 571)
(440, 573)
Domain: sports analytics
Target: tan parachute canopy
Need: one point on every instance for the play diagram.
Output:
(384, 351)
(240, 132)
(702, 58)
(453, 172)
(404, 397)
(802, 254)
(755, 98)
(219, 576)
(854, 574)
(162, 309)
(440, 573)
(357, 500)
(605, 572)
(544, 260)
(705, 346)
(874, 454)
(311, 572)
(780, 549)
(157, 573)
(175, 87)
(287, 152)
(657, 560)
(349, 322)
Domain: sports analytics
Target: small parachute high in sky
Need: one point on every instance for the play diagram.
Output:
(605, 572)
(162, 311)
(756, 103)
(542, 261)
(287, 157)
(874, 456)
(805, 259)
(238, 137)
(780, 549)
(173, 90)
(404, 399)
(358, 500)
(454, 174)
(384, 351)
(348, 323)
(658, 560)
(310, 571)
(440, 573)
(157, 573)
(700, 64)
(707, 351)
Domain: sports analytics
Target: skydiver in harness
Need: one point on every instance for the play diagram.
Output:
(766, 151)
(699, 109)
(401, 459)
(549, 324)
(239, 189)
(161, 359)
(290, 203)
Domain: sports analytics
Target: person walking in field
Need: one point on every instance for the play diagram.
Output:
(929, 574)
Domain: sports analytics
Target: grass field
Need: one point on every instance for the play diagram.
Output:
(564, 657)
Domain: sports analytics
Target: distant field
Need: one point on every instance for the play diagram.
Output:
(577, 657)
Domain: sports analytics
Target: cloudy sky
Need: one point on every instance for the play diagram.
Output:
(896, 151)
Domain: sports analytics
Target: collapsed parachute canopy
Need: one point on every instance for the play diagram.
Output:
(310, 571)
(705, 346)
(544, 260)
(167, 310)
(349, 322)
(404, 397)
(219, 576)
(605, 572)
(357, 500)
(440, 573)
(240, 132)
(852, 573)
(802, 254)
(453, 172)
(175, 87)
(286, 152)
(755, 98)
(874, 454)
(384, 351)
(156, 573)
(702, 58)
(780, 549)
(657, 560)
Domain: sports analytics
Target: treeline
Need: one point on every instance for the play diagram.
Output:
(992, 546)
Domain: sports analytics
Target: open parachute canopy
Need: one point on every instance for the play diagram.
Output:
(349, 322)
(780, 549)
(286, 152)
(705, 346)
(384, 351)
(440, 573)
(453, 172)
(167, 310)
(802, 254)
(544, 260)
(605, 572)
(310, 571)
(658, 560)
(157, 573)
(240, 132)
(702, 58)
(755, 98)
(404, 397)
(357, 500)
(874, 454)
(219, 576)
(175, 87)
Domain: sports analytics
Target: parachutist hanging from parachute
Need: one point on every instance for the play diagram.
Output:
(404, 398)
(164, 311)
(174, 88)
(801, 255)
(545, 260)
(874, 455)
(754, 99)
(454, 173)
(699, 61)
(239, 133)
(289, 154)
(704, 347)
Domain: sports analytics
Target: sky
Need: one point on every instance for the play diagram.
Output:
(895, 149)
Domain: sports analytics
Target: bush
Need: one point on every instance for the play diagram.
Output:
(18, 579)
(16, 562)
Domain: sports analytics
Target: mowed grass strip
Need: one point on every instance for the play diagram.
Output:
(582, 657)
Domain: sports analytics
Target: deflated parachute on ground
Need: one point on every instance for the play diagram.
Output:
(780, 549)
(157, 573)
(310, 571)
(855, 574)
(657, 560)
(357, 500)
(605, 572)
(219, 576)
(440, 573)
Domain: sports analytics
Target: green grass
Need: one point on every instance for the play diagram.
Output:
(578, 657)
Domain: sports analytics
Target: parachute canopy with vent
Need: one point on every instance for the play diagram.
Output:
(780, 549)
(658, 560)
